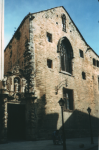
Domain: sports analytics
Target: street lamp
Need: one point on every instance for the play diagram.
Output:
(89, 111)
(61, 103)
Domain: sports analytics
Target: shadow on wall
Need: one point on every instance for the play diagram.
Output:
(46, 123)
(78, 125)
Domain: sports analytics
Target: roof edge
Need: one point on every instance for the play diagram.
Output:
(17, 30)
(47, 10)
(80, 33)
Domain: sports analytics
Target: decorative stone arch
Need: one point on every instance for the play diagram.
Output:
(66, 54)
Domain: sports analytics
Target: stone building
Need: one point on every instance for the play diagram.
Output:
(48, 59)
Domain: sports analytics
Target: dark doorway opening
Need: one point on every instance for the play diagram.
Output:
(16, 122)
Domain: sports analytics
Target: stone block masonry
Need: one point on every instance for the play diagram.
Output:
(77, 80)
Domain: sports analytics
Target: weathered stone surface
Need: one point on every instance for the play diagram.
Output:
(85, 92)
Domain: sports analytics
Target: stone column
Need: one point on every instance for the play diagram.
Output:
(1, 39)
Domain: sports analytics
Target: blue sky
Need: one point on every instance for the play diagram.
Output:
(84, 13)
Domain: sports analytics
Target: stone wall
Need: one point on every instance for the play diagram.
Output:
(15, 49)
(85, 92)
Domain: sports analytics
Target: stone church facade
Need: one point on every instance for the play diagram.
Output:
(48, 59)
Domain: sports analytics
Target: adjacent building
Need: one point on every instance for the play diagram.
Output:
(1, 39)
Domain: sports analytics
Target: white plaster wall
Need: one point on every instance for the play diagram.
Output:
(1, 39)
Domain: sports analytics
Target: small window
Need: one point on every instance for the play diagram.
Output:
(68, 98)
(64, 22)
(97, 63)
(94, 62)
(49, 63)
(81, 53)
(83, 75)
(49, 37)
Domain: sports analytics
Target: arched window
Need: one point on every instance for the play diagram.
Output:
(64, 22)
(66, 54)
(16, 84)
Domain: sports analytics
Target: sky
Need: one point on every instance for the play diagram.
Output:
(84, 13)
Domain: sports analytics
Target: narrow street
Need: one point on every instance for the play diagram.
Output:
(71, 144)
(95, 148)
